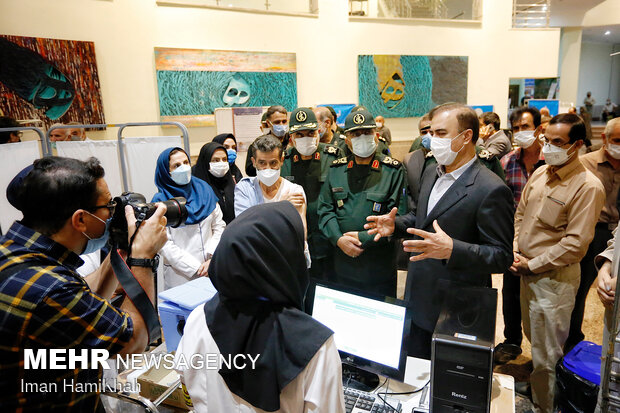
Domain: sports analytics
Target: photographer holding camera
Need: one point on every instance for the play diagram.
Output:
(45, 304)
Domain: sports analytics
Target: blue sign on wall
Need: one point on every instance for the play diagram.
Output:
(342, 110)
(483, 108)
(552, 104)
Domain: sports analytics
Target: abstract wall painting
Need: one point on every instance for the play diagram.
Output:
(192, 83)
(398, 86)
(49, 79)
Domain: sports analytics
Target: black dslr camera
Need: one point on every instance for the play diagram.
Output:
(176, 215)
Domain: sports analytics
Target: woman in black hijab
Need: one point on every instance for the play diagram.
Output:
(260, 273)
(229, 142)
(208, 168)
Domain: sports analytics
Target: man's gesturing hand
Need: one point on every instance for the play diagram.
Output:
(381, 225)
(437, 245)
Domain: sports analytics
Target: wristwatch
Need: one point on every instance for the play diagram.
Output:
(151, 263)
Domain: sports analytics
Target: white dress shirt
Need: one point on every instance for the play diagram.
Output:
(444, 182)
(317, 389)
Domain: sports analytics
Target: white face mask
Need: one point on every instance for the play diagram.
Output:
(555, 156)
(442, 149)
(307, 145)
(268, 177)
(613, 150)
(525, 138)
(364, 145)
(379, 124)
(218, 169)
(182, 175)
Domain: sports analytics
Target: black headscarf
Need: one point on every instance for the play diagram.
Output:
(234, 170)
(260, 273)
(223, 187)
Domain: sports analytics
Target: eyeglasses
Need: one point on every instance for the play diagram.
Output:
(110, 205)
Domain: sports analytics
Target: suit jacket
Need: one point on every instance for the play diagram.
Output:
(497, 144)
(477, 212)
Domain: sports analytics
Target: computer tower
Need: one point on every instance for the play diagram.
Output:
(462, 351)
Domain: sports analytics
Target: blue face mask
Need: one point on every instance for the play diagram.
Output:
(232, 155)
(426, 141)
(182, 175)
(279, 130)
(95, 244)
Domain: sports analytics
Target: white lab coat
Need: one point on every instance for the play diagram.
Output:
(317, 389)
(189, 246)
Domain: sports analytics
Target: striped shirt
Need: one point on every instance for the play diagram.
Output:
(47, 305)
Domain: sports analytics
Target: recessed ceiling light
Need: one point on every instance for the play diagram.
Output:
(607, 33)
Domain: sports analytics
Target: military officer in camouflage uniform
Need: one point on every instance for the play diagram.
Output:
(364, 182)
(307, 163)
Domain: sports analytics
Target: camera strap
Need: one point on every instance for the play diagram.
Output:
(137, 295)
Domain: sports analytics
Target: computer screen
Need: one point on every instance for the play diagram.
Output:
(369, 329)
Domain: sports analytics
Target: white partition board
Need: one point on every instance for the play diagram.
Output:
(141, 155)
(105, 151)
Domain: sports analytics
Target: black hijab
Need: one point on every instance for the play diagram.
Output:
(260, 273)
(234, 170)
(223, 187)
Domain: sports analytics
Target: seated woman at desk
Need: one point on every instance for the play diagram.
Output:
(260, 273)
(188, 251)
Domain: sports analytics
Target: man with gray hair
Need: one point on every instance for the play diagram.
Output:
(58, 134)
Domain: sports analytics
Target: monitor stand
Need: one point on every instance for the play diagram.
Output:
(358, 379)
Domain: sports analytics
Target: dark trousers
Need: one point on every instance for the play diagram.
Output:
(420, 342)
(511, 309)
(602, 234)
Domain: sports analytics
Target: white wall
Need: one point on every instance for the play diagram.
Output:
(126, 31)
(595, 71)
(603, 14)
(568, 69)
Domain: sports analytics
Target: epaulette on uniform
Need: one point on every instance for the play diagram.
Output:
(391, 162)
(381, 138)
(339, 161)
(484, 154)
(331, 150)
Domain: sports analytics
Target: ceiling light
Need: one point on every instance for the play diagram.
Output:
(607, 33)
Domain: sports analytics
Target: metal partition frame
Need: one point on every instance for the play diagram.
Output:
(47, 147)
(122, 149)
(91, 126)
(44, 144)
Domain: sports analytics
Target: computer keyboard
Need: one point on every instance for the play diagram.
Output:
(356, 401)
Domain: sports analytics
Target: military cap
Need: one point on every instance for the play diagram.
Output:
(302, 119)
(362, 119)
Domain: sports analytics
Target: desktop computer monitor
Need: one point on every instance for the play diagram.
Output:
(371, 332)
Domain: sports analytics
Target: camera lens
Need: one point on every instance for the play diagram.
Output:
(176, 212)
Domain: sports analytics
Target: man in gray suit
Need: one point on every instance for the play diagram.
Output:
(463, 228)
(492, 138)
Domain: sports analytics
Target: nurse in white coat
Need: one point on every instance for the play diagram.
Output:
(188, 251)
